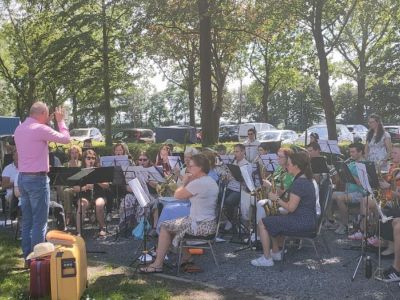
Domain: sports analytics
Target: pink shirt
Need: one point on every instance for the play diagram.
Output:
(31, 139)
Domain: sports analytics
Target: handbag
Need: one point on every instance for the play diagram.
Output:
(138, 231)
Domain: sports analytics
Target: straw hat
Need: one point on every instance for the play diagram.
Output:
(42, 249)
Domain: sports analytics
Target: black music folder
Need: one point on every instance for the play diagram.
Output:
(92, 175)
(60, 175)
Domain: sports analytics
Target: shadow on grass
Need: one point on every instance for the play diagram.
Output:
(120, 286)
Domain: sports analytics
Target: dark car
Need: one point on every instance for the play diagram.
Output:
(134, 135)
(394, 131)
(229, 133)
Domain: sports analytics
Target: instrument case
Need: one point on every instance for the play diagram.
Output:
(39, 285)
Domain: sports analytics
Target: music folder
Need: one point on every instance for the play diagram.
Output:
(319, 165)
(92, 175)
(344, 172)
(236, 172)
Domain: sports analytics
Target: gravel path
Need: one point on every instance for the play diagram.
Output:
(302, 277)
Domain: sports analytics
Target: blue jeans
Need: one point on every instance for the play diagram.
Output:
(35, 201)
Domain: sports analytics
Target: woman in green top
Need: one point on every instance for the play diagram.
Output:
(283, 180)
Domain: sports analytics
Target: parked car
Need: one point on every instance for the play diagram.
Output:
(394, 131)
(243, 128)
(81, 134)
(359, 132)
(285, 136)
(344, 135)
(228, 133)
(134, 135)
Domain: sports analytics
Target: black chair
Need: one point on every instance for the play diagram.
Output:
(209, 240)
(325, 196)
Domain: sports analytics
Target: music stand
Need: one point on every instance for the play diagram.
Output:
(90, 176)
(270, 161)
(60, 175)
(237, 175)
(144, 202)
(330, 147)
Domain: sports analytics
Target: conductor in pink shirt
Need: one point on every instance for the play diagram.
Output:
(31, 139)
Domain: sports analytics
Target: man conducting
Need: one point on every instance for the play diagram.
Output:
(31, 139)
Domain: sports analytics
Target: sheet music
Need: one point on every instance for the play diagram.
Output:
(247, 177)
(363, 176)
(117, 160)
(270, 161)
(329, 146)
(132, 172)
(139, 192)
(174, 161)
(227, 159)
(154, 174)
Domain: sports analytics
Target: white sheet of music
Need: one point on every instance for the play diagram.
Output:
(227, 159)
(329, 146)
(117, 160)
(139, 192)
(247, 177)
(270, 161)
(174, 161)
(154, 174)
(363, 176)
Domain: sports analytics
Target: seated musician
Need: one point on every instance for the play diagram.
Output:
(162, 159)
(8, 177)
(130, 211)
(233, 190)
(68, 194)
(122, 149)
(202, 191)
(391, 198)
(92, 194)
(301, 209)
(281, 178)
(392, 274)
(353, 193)
(187, 156)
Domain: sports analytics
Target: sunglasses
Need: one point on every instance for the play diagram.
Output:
(91, 157)
(142, 159)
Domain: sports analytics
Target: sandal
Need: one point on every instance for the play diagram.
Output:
(150, 269)
(102, 232)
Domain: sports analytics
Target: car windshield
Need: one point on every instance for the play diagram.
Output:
(392, 129)
(270, 135)
(79, 132)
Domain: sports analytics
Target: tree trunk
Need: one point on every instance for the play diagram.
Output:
(191, 91)
(106, 78)
(31, 87)
(264, 103)
(74, 111)
(205, 74)
(323, 80)
(361, 91)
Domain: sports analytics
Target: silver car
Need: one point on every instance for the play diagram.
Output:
(343, 133)
(359, 132)
(286, 136)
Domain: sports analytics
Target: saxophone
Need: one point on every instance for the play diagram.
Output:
(391, 199)
(271, 208)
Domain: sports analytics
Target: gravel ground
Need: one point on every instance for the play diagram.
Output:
(302, 276)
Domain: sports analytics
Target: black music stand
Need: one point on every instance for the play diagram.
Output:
(237, 175)
(90, 176)
(60, 175)
(319, 165)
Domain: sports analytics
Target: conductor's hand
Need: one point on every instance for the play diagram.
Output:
(59, 114)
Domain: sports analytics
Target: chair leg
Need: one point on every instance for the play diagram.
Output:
(213, 254)
(315, 248)
(179, 257)
(324, 241)
(283, 253)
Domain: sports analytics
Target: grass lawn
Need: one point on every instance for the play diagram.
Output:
(105, 282)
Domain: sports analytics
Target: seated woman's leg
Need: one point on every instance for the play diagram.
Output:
(84, 203)
(155, 217)
(100, 203)
(164, 241)
(264, 237)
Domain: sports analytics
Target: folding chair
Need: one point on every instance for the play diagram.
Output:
(209, 240)
(311, 236)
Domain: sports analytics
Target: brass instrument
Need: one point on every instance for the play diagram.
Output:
(390, 198)
(262, 191)
(167, 188)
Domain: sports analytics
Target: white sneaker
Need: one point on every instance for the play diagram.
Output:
(276, 256)
(262, 261)
(341, 229)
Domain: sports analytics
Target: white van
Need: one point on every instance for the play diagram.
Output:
(243, 128)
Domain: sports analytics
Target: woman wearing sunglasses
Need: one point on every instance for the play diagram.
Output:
(92, 193)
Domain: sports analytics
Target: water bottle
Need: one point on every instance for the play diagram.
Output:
(368, 267)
